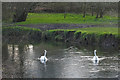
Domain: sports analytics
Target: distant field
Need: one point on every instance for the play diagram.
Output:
(44, 18)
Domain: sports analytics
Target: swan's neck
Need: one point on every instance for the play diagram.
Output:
(95, 54)
(45, 53)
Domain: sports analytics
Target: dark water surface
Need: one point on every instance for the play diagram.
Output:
(64, 61)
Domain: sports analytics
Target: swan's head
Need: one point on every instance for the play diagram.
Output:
(45, 51)
(95, 51)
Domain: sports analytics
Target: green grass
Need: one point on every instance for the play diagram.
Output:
(52, 18)
(19, 28)
(93, 30)
(90, 30)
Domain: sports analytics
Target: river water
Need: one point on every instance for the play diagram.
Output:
(64, 61)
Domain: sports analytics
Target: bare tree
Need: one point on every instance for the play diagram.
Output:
(84, 9)
(21, 10)
(18, 11)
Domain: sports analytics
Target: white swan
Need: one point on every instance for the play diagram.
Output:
(43, 59)
(95, 58)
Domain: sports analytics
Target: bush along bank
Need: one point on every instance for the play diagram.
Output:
(77, 36)
(81, 37)
(21, 34)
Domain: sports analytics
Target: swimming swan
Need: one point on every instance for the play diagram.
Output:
(95, 58)
(43, 59)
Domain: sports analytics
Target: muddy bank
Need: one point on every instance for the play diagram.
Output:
(72, 37)
(105, 40)
(63, 26)
(18, 34)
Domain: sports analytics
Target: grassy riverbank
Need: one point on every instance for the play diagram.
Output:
(94, 35)
(92, 30)
(58, 18)
(19, 34)
(106, 36)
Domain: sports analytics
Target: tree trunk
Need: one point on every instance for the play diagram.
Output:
(97, 9)
(84, 14)
(97, 15)
(101, 13)
(71, 10)
(65, 10)
(21, 11)
(84, 11)
(64, 15)
(20, 17)
(92, 11)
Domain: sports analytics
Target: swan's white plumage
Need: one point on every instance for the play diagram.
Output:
(43, 59)
(95, 58)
